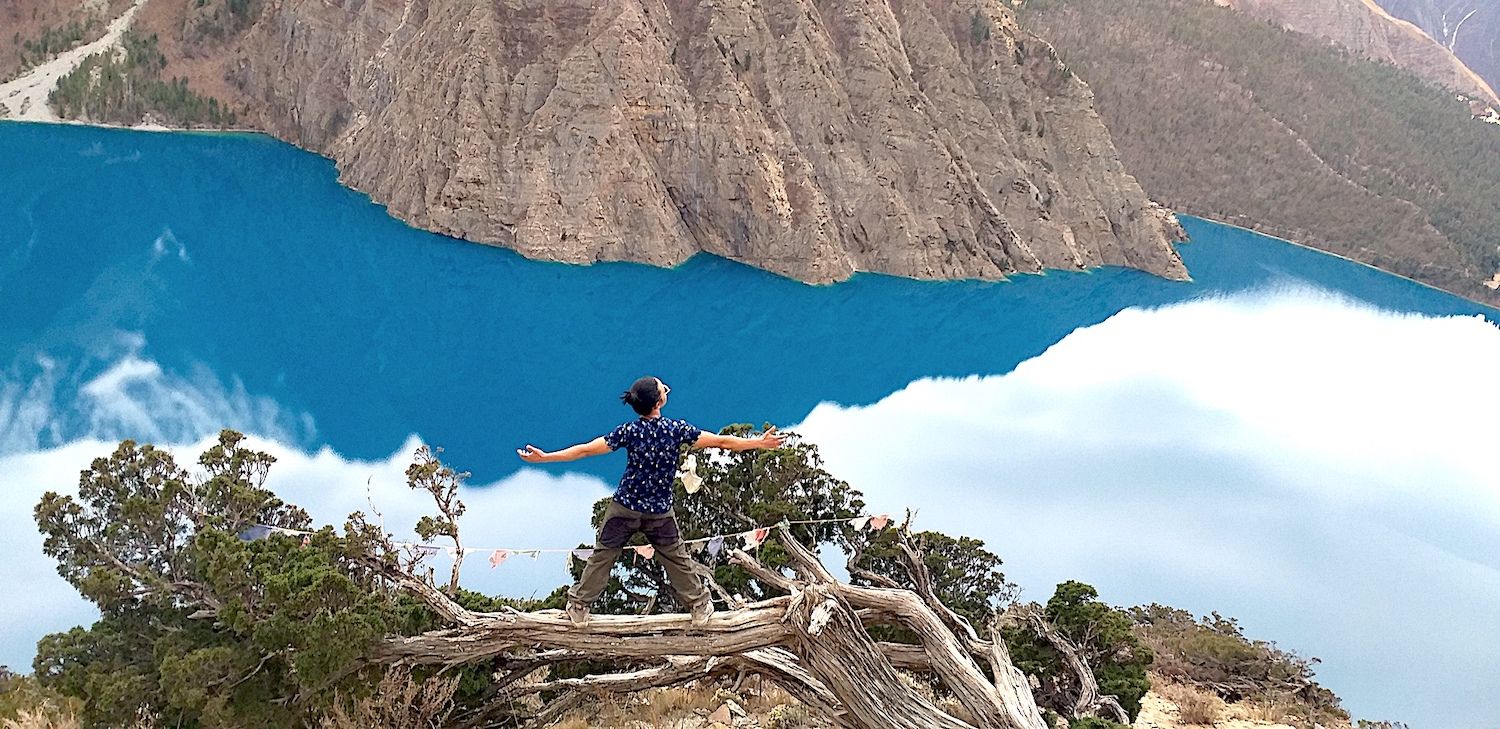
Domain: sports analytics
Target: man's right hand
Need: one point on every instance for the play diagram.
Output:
(771, 438)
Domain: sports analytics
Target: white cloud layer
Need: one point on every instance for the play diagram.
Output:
(1324, 471)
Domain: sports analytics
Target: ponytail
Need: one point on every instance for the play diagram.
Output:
(643, 395)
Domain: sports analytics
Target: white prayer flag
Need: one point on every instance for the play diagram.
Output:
(691, 481)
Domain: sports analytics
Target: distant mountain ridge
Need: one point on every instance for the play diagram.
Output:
(1469, 28)
(1222, 115)
(1367, 29)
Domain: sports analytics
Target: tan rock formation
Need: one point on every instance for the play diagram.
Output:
(926, 138)
(1365, 28)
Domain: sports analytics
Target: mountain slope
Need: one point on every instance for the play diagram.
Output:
(929, 139)
(1469, 28)
(1363, 27)
(1222, 115)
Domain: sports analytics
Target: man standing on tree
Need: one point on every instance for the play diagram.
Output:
(643, 503)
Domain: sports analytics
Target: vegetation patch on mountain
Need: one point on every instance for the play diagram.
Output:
(126, 87)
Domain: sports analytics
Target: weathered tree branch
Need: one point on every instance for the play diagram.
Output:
(951, 662)
(812, 642)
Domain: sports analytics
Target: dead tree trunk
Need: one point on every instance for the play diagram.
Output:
(812, 642)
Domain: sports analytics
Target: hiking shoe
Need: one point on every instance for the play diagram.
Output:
(578, 613)
(702, 612)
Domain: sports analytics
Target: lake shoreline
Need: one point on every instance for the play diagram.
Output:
(156, 128)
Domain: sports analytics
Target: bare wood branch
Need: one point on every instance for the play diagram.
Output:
(835, 647)
(950, 662)
(604, 637)
(922, 579)
(856, 553)
(1015, 690)
(783, 667)
(812, 642)
(434, 598)
(555, 709)
(676, 670)
(762, 572)
(707, 575)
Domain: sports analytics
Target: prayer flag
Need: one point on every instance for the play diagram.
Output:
(859, 523)
(424, 550)
(256, 533)
(498, 558)
(452, 552)
(582, 555)
(879, 522)
(715, 546)
(761, 534)
(691, 481)
(646, 551)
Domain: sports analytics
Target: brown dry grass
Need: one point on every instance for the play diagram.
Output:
(399, 702)
(42, 719)
(1194, 705)
(1270, 710)
(687, 707)
(662, 705)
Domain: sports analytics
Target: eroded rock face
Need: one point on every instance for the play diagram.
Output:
(926, 138)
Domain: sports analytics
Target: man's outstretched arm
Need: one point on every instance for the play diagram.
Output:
(533, 454)
(768, 439)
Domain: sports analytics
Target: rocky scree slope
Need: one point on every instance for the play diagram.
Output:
(926, 138)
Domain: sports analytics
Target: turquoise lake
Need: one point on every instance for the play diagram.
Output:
(237, 265)
(239, 256)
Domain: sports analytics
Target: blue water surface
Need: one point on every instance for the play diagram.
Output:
(241, 256)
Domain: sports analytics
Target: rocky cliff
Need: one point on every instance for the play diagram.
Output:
(926, 138)
(1368, 30)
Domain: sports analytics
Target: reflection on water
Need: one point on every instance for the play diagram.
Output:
(238, 264)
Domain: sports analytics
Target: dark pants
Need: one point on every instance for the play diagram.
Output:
(620, 524)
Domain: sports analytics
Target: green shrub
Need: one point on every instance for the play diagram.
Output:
(1104, 638)
(1094, 722)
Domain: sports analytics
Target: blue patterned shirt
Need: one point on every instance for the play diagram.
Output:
(653, 445)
